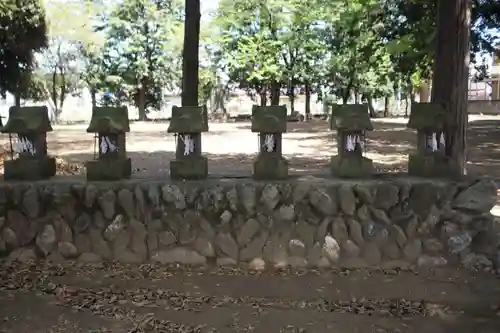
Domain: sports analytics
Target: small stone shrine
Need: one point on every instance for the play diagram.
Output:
(270, 123)
(430, 159)
(188, 122)
(27, 128)
(109, 125)
(351, 121)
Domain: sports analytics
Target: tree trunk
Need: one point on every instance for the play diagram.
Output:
(142, 100)
(275, 93)
(291, 97)
(263, 97)
(53, 95)
(17, 99)
(371, 108)
(308, 101)
(190, 53)
(386, 106)
(345, 96)
(407, 106)
(357, 98)
(62, 93)
(218, 94)
(93, 97)
(450, 79)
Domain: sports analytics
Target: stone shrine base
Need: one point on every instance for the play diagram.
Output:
(303, 222)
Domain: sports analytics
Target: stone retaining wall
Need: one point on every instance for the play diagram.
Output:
(484, 107)
(303, 222)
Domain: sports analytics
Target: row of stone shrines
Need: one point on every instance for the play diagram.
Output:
(27, 128)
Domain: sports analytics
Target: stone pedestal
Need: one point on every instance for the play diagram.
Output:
(30, 168)
(428, 165)
(189, 167)
(109, 169)
(110, 124)
(355, 167)
(430, 158)
(188, 123)
(270, 123)
(270, 167)
(351, 122)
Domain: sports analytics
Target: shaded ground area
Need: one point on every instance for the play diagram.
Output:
(231, 148)
(173, 299)
(112, 298)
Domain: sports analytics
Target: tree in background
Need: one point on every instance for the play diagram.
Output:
(143, 50)
(23, 31)
(132, 52)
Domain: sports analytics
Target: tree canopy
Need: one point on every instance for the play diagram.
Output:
(23, 31)
(135, 52)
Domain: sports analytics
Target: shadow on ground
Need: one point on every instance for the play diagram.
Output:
(388, 146)
(114, 298)
(312, 126)
(156, 164)
(390, 143)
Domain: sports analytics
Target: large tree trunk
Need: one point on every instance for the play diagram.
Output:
(451, 71)
(190, 53)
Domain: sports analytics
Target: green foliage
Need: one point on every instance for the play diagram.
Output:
(337, 43)
(22, 32)
(357, 49)
(143, 49)
(359, 64)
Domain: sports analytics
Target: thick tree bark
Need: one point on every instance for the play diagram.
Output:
(190, 53)
(450, 79)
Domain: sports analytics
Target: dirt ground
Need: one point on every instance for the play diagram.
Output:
(173, 299)
(113, 298)
(232, 147)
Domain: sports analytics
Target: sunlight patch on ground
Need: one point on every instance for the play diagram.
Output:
(388, 158)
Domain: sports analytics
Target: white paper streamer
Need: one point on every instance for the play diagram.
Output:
(269, 143)
(107, 145)
(188, 144)
(24, 146)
